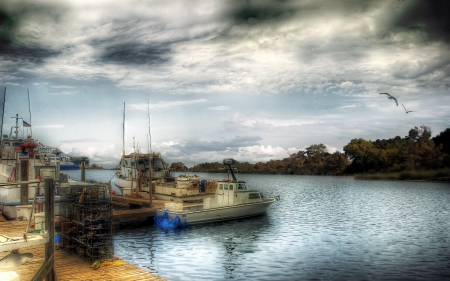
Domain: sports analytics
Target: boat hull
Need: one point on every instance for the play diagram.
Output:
(69, 167)
(221, 213)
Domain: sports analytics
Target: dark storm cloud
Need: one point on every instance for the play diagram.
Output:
(258, 12)
(136, 53)
(431, 16)
(13, 17)
(11, 40)
(23, 55)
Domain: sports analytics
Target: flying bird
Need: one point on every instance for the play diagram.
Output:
(390, 97)
(407, 111)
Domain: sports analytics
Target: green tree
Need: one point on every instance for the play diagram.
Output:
(178, 167)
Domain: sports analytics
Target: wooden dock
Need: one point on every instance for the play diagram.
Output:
(68, 267)
(139, 208)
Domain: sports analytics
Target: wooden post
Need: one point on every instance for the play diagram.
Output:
(150, 181)
(83, 171)
(50, 225)
(23, 176)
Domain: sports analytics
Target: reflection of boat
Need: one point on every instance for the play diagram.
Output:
(22, 161)
(232, 201)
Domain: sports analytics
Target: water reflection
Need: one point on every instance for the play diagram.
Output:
(328, 228)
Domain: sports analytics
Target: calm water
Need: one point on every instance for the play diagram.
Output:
(323, 228)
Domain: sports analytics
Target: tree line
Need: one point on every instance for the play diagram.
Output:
(416, 151)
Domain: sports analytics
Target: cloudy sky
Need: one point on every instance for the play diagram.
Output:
(252, 80)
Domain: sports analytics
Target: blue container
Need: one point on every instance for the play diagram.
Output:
(57, 238)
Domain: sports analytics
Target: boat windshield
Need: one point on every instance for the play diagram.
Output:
(241, 186)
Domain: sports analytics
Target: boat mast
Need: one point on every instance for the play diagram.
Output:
(3, 114)
(17, 126)
(123, 131)
(149, 134)
(29, 108)
(150, 159)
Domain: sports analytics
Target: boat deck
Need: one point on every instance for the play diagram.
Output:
(67, 267)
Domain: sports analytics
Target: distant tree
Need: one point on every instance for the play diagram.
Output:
(444, 139)
(423, 133)
(178, 167)
(316, 150)
(363, 155)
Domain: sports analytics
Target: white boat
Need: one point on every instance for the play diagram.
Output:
(22, 161)
(66, 161)
(232, 200)
(134, 176)
(136, 169)
(147, 173)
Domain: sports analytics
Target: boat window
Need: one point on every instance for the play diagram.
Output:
(16, 144)
(140, 162)
(226, 186)
(241, 186)
(231, 186)
(221, 186)
(253, 196)
(126, 162)
(6, 144)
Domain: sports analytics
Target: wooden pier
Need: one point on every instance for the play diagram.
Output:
(138, 208)
(68, 267)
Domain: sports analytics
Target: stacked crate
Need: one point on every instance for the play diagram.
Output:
(86, 226)
(211, 186)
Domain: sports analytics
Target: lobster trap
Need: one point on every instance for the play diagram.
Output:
(86, 222)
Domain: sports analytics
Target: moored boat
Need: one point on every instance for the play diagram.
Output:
(21, 160)
(232, 200)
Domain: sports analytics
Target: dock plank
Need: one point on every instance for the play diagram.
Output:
(69, 267)
(134, 213)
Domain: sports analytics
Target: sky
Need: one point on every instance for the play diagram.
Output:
(200, 81)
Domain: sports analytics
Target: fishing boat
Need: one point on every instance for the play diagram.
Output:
(21, 160)
(232, 200)
(145, 175)
(136, 170)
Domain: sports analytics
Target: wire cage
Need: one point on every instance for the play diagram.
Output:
(86, 222)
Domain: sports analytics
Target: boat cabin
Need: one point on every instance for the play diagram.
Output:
(230, 193)
(137, 165)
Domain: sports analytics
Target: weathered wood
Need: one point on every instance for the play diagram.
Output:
(129, 200)
(49, 202)
(144, 195)
(132, 214)
(24, 177)
(44, 270)
(69, 267)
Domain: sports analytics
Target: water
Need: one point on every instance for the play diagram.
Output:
(323, 228)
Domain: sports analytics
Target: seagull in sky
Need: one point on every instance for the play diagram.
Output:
(390, 97)
(407, 111)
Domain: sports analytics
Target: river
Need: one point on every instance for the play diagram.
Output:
(323, 228)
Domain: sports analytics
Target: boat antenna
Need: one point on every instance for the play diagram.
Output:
(228, 163)
(29, 108)
(17, 126)
(3, 114)
(123, 131)
(149, 134)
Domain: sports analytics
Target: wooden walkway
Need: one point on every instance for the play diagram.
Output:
(68, 267)
(140, 210)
